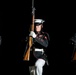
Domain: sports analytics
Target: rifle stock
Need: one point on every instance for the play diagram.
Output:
(30, 42)
(27, 54)
(26, 57)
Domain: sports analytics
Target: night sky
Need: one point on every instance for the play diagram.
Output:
(15, 17)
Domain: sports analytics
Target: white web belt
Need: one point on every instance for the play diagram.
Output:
(41, 50)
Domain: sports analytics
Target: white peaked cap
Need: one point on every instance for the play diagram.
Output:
(39, 21)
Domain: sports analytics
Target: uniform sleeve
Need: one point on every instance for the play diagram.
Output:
(43, 40)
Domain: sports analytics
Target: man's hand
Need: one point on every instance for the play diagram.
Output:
(32, 33)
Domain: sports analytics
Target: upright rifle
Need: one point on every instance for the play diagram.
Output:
(30, 40)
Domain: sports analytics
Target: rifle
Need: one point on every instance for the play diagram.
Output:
(30, 40)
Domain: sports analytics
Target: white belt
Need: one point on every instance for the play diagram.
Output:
(36, 49)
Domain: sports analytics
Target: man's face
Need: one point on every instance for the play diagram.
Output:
(38, 27)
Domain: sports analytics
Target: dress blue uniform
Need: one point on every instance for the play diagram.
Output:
(40, 44)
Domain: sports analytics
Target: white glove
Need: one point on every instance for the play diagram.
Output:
(32, 33)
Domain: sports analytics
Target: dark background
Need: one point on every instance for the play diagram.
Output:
(15, 19)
